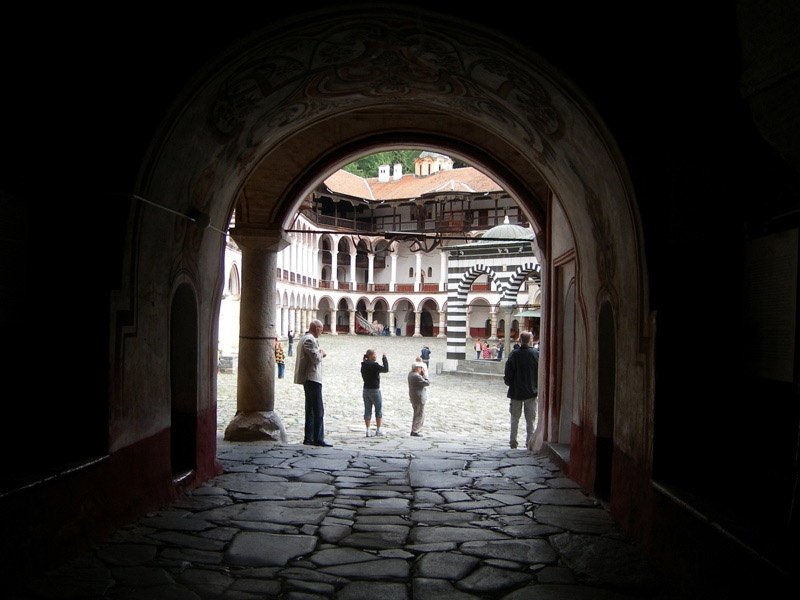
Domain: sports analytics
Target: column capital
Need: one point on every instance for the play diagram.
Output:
(259, 238)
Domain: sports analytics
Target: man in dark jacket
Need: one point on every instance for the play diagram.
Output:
(425, 353)
(522, 378)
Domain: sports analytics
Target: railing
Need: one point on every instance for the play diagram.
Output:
(352, 224)
(328, 284)
(451, 222)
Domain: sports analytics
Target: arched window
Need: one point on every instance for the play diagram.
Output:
(411, 271)
(430, 271)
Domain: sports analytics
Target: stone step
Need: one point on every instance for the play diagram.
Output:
(481, 367)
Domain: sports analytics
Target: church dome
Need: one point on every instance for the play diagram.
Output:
(507, 231)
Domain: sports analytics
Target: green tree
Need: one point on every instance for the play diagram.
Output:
(367, 166)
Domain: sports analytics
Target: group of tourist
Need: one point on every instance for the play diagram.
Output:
(520, 375)
(418, 383)
(485, 351)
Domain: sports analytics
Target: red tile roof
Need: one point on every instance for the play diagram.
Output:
(342, 182)
(464, 180)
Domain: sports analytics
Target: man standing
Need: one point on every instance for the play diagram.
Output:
(291, 340)
(308, 373)
(418, 395)
(425, 353)
(522, 378)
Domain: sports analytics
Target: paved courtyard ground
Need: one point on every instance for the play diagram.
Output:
(460, 406)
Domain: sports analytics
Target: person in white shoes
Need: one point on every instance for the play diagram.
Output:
(373, 399)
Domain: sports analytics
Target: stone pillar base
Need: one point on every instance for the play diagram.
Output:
(256, 426)
(417, 335)
(442, 335)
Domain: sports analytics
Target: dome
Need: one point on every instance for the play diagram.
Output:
(507, 231)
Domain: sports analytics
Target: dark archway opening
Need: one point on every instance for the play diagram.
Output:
(183, 380)
(425, 324)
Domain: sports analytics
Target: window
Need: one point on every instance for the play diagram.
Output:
(430, 271)
(411, 272)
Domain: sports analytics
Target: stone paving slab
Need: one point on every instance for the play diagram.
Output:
(489, 579)
(527, 551)
(445, 565)
(263, 549)
(564, 497)
(361, 590)
(452, 534)
(438, 589)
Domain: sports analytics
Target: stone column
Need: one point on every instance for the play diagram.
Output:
(443, 271)
(278, 321)
(370, 270)
(351, 322)
(256, 418)
(417, 319)
(335, 265)
(333, 314)
(506, 314)
(442, 324)
(298, 327)
(418, 272)
(370, 315)
(390, 316)
(493, 320)
(353, 285)
(393, 274)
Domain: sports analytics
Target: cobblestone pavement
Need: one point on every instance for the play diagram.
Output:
(453, 515)
(459, 406)
(410, 518)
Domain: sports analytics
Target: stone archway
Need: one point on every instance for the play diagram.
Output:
(278, 113)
